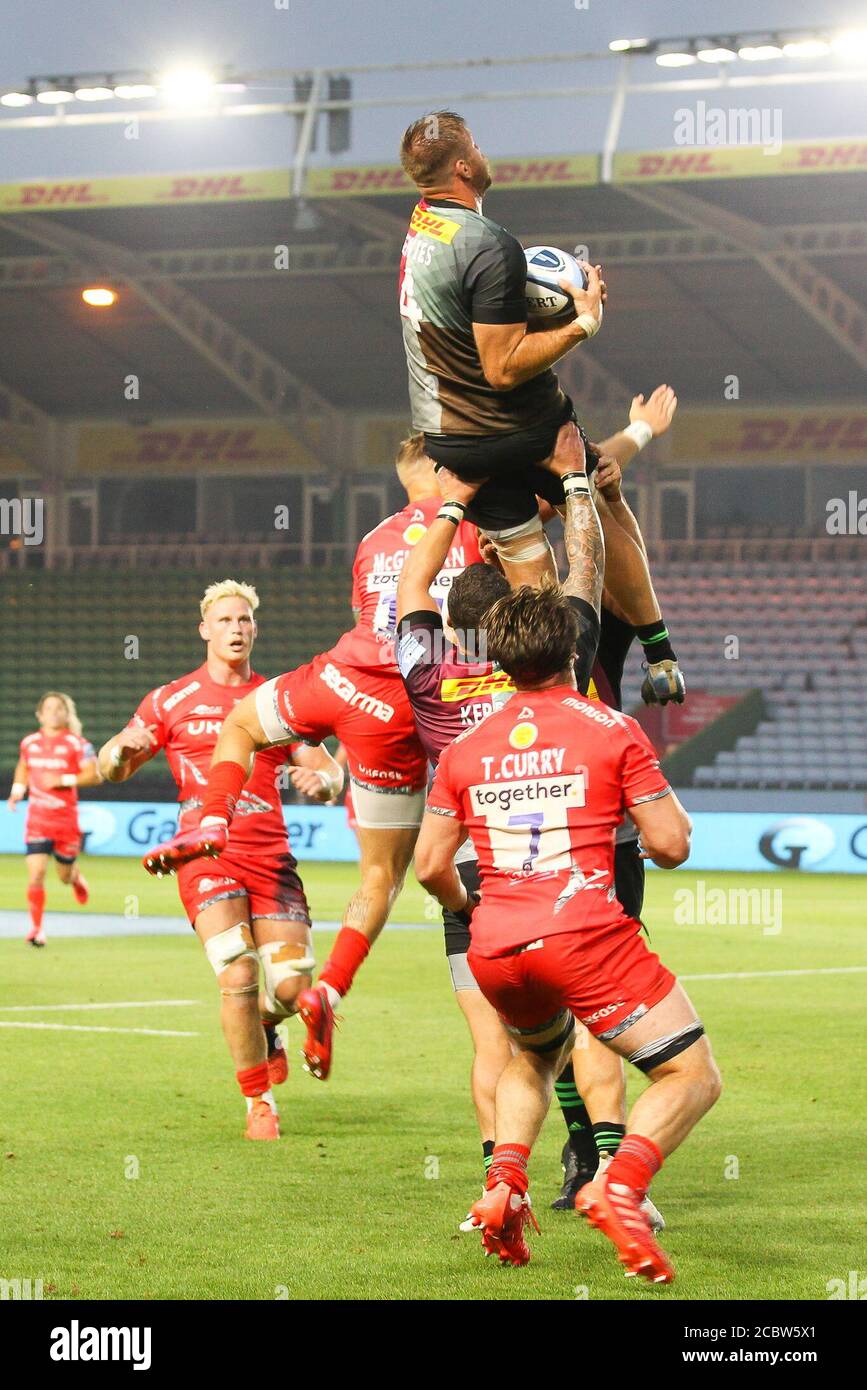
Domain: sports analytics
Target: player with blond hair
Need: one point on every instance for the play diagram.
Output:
(353, 691)
(248, 908)
(52, 765)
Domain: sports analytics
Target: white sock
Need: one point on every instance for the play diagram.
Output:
(332, 995)
(266, 1096)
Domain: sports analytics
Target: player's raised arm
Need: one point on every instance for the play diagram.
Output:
(510, 354)
(427, 557)
(439, 840)
(647, 420)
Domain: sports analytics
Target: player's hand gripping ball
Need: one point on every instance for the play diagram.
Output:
(546, 299)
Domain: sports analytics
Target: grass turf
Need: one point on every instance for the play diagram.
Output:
(362, 1196)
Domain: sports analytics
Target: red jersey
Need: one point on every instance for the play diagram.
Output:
(378, 562)
(185, 718)
(53, 810)
(542, 785)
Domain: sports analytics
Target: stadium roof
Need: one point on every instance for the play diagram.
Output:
(745, 274)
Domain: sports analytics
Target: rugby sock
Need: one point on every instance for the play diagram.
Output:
(635, 1163)
(255, 1082)
(36, 903)
(347, 954)
(654, 639)
(509, 1164)
(577, 1120)
(270, 1037)
(225, 781)
(487, 1154)
(608, 1137)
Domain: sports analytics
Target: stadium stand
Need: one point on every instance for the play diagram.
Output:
(70, 631)
(801, 630)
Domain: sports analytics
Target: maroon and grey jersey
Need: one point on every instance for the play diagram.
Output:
(447, 695)
(459, 268)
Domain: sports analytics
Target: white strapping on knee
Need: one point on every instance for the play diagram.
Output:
(230, 945)
(279, 967)
(520, 544)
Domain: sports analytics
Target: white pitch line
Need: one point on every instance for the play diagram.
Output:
(83, 1028)
(760, 974)
(124, 1004)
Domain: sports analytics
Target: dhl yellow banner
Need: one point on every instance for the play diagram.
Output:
(472, 687)
(828, 434)
(145, 190)
(542, 171)
(741, 161)
(188, 447)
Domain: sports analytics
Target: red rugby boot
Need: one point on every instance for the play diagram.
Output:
(502, 1213)
(203, 842)
(262, 1123)
(317, 1014)
(615, 1210)
(80, 889)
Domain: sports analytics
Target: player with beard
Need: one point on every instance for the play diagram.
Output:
(480, 380)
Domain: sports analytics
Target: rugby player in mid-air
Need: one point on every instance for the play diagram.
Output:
(540, 786)
(52, 764)
(480, 380)
(355, 692)
(248, 907)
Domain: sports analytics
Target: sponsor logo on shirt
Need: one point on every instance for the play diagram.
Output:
(568, 790)
(413, 534)
(472, 687)
(207, 709)
(430, 224)
(204, 726)
(181, 694)
(523, 735)
(344, 689)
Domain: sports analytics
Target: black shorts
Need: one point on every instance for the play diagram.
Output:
(457, 924)
(47, 847)
(628, 884)
(510, 462)
(629, 878)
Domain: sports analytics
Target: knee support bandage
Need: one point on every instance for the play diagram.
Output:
(283, 960)
(519, 544)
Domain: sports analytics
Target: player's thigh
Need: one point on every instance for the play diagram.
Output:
(595, 1066)
(673, 1016)
(490, 1039)
(37, 864)
(386, 851)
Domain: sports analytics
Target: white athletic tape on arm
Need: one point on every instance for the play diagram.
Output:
(639, 432)
(69, 779)
(331, 781)
(19, 790)
(115, 757)
(451, 511)
(230, 945)
(590, 324)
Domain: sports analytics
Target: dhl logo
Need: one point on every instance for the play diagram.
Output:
(224, 186)
(430, 225)
(817, 433)
(473, 687)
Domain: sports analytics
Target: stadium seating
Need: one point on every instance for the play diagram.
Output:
(70, 631)
(801, 632)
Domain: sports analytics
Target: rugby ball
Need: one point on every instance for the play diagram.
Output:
(546, 265)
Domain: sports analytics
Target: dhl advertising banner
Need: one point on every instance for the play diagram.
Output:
(827, 435)
(186, 447)
(759, 160)
(145, 190)
(691, 162)
(543, 171)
